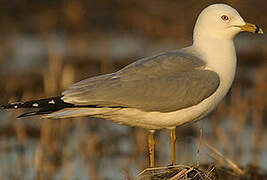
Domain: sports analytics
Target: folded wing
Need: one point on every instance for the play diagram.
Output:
(166, 82)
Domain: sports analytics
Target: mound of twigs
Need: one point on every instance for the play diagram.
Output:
(175, 172)
(202, 172)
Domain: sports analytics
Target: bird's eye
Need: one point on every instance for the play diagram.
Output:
(225, 18)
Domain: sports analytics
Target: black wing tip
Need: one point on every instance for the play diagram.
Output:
(40, 106)
(15, 106)
(47, 106)
(40, 103)
(11, 105)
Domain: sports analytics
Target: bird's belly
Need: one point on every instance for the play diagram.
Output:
(159, 120)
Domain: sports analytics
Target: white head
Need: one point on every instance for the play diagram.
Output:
(221, 21)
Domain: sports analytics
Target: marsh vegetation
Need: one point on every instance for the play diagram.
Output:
(47, 45)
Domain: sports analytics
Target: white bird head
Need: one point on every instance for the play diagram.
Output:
(222, 22)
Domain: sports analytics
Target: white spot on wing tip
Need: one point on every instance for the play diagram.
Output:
(51, 102)
(16, 107)
(35, 105)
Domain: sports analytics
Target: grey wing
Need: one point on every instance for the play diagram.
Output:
(166, 82)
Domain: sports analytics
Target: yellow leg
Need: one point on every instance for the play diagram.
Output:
(151, 145)
(173, 139)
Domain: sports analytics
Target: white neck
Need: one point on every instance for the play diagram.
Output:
(220, 56)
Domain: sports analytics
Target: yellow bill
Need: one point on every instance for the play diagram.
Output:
(251, 28)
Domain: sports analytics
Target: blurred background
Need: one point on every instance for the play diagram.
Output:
(48, 45)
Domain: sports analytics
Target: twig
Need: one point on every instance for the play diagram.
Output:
(235, 168)
(160, 168)
(199, 147)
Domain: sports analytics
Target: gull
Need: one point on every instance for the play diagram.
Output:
(163, 91)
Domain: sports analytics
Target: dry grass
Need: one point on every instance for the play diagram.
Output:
(227, 171)
(175, 173)
(51, 144)
(203, 172)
